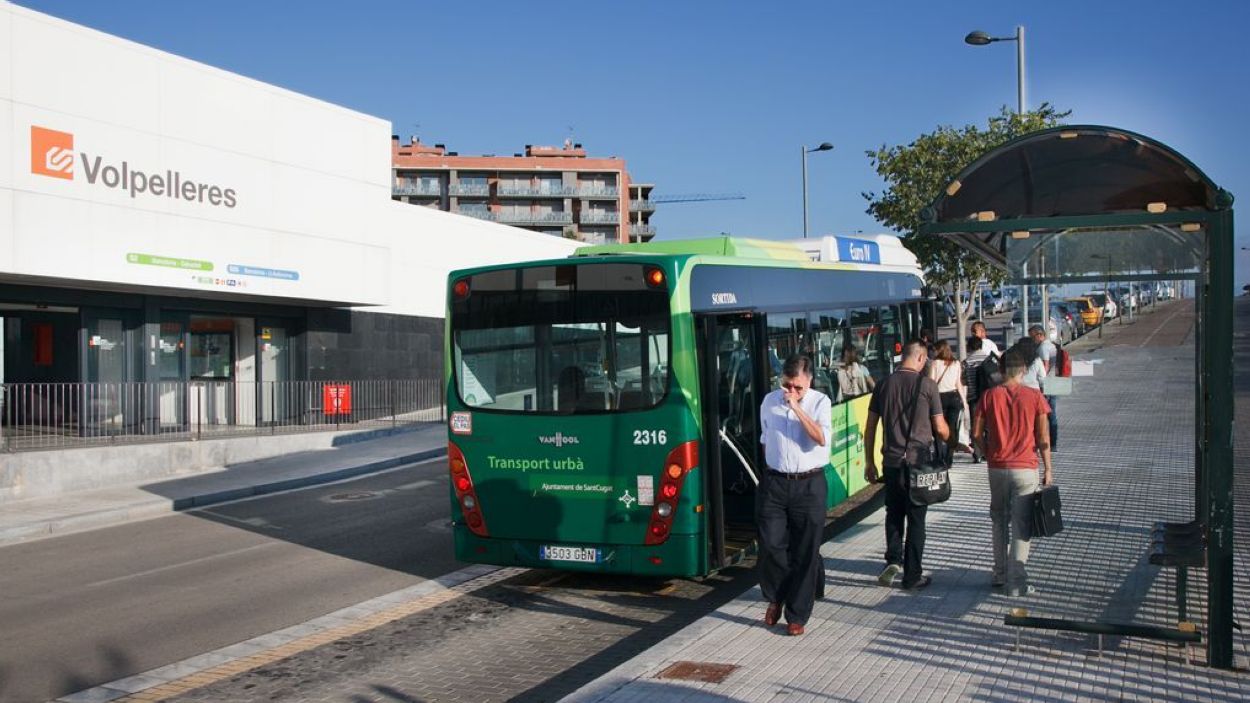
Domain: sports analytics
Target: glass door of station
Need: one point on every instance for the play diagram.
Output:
(211, 370)
(278, 398)
(110, 401)
(170, 395)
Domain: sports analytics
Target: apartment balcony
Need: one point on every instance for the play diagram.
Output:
(471, 189)
(433, 190)
(641, 232)
(598, 217)
(599, 192)
(534, 218)
(541, 191)
(480, 214)
(641, 206)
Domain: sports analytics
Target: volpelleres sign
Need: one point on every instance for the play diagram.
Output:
(52, 155)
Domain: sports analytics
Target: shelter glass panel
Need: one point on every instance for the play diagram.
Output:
(1142, 252)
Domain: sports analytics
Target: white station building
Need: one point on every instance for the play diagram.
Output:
(164, 220)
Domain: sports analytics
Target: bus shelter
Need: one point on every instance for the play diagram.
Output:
(1092, 204)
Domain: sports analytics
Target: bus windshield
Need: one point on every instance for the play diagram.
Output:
(568, 339)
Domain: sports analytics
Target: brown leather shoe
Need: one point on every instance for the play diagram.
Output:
(794, 629)
(773, 614)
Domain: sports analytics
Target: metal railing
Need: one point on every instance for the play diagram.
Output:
(599, 192)
(598, 217)
(68, 415)
(641, 206)
(469, 189)
(642, 230)
(531, 191)
(480, 214)
(559, 218)
(431, 189)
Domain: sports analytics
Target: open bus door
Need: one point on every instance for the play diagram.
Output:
(732, 375)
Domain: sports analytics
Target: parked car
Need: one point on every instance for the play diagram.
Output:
(1057, 328)
(1106, 301)
(1090, 311)
(1126, 297)
(1076, 324)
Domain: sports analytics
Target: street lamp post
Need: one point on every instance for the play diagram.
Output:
(824, 146)
(980, 38)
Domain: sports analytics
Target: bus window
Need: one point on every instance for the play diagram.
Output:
(891, 336)
(829, 342)
(787, 335)
(866, 337)
(562, 339)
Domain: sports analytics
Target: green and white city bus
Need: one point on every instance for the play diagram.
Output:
(603, 409)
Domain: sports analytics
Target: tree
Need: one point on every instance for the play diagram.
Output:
(916, 173)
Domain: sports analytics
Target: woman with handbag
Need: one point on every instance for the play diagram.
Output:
(947, 373)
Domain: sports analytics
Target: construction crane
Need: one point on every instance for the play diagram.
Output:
(696, 197)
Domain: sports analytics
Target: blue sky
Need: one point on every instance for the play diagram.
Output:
(718, 96)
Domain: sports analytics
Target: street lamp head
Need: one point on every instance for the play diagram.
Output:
(978, 38)
(824, 146)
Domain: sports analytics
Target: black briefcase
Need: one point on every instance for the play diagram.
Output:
(1047, 512)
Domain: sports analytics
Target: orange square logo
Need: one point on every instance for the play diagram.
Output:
(51, 153)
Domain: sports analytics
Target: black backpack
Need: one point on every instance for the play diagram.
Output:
(989, 374)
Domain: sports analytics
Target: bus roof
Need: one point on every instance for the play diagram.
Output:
(737, 247)
(865, 251)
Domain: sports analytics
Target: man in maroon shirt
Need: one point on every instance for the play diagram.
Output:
(1009, 429)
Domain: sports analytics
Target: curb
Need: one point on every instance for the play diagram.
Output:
(158, 507)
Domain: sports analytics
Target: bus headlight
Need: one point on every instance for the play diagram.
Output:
(664, 509)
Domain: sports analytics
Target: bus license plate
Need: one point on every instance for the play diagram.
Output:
(588, 555)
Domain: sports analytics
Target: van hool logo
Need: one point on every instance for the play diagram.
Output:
(559, 439)
(52, 154)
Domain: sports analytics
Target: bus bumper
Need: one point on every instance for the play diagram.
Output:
(680, 555)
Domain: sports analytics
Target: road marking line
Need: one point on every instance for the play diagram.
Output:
(1156, 330)
(179, 565)
(379, 611)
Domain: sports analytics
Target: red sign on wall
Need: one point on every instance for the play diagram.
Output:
(336, 399)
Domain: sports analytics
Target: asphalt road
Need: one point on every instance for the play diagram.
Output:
(89, 608)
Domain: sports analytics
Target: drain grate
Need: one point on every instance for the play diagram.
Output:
(707, 672)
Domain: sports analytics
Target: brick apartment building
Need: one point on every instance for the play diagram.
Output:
(554, 190)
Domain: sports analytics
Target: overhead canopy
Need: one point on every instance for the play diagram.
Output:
(1052, 182)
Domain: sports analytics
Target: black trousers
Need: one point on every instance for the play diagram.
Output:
(791, 519)
(902, 516)
(952, 408)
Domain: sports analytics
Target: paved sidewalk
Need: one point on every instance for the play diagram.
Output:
(1125, 460)
(355, 455)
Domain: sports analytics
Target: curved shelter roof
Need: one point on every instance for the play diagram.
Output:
(1066, 177)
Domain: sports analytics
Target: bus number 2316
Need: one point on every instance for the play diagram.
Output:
(650, 437)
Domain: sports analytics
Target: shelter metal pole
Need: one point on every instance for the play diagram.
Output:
(1218, 358)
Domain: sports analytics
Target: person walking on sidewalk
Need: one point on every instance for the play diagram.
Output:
(790, 507)
(1047, 352)
(1011, 424)
(909, 407)
(979, 332)
(977, 355)
(948, 374)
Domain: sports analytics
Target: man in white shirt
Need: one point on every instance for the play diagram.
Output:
(796, 430)
(987, 345)
(1046, 353)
